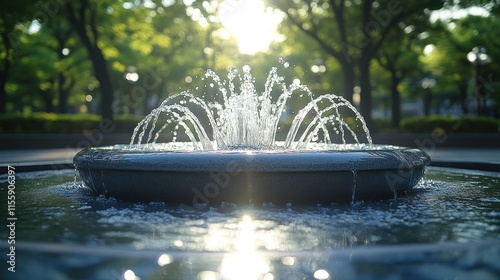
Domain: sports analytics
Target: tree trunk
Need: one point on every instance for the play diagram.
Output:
(462, 91)
(99, 64)
(427, 102)
(47, 101)
(348, 71)
(62, 37)
(48, 98)
(3, 92)
(395, 100)
(63, 94)
(4, 72)
(83, 26)
(395, 95)
(365, 105)
(367, 55)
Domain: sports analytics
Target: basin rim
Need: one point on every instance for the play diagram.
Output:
(373, 157)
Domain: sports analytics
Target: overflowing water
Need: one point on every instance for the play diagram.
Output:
(243, 117)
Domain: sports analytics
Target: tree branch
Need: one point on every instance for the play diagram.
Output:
(313, 35)
(83, 8)
(338, 11)
(394, 21)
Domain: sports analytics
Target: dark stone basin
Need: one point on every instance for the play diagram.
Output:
(197, 178)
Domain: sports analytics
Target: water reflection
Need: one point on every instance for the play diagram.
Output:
(130, 275)
(245, 262)
(321, 274)
(448, 224)
(288, 261)
(164, 259)
(208, 275)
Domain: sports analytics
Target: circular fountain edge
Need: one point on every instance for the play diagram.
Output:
(248, 176)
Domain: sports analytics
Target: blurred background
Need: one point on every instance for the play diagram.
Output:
(413, 66)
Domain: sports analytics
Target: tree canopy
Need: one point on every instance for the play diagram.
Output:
(125, 57)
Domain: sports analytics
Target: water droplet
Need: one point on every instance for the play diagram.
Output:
(283, 62)
(246, 68)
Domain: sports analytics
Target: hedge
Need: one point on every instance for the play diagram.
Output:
(61, 123)
(450, 124)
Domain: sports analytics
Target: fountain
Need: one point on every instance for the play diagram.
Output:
(446, 225)
(233, 154)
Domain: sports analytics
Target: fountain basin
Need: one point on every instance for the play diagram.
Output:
(242, 176)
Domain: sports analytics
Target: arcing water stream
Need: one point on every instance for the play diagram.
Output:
(246, 118)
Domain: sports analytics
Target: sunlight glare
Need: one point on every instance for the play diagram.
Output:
(244, 266)
(445, 14)
(321, 274)
(130, 275)
(251, 23)
(245, 263)
(164, 259)
(428, 49)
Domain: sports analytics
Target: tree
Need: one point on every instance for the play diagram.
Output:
(83, 17)
(448, 59)
(352, 32)
(452, 40)
(167, 44)
(11, 14)
(400, 56)
(62, 34)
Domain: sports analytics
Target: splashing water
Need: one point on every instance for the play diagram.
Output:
(245, 118)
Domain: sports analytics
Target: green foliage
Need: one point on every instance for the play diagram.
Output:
(382, 124)
(379, 124)
(450, 124)
(452, 40)
(61, 123)
(169, 44)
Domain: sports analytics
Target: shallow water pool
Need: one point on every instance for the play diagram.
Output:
(447, 227)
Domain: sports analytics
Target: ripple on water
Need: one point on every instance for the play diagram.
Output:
(445, 208)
